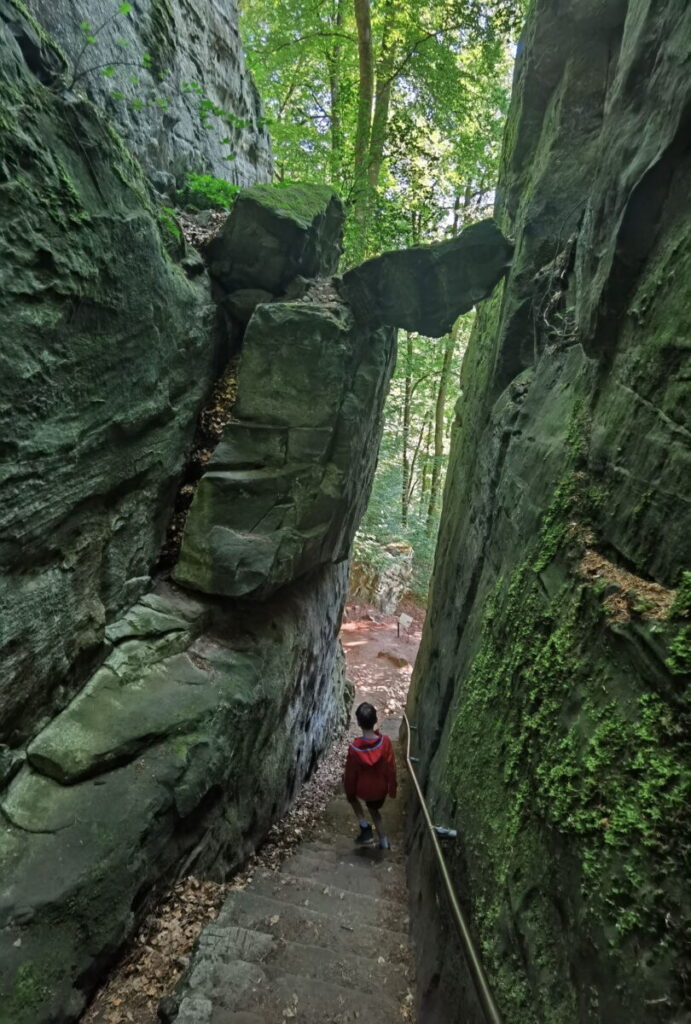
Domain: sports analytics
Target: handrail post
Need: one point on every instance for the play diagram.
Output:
(477, 971)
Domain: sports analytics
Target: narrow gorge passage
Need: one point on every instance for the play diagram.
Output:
(481, 210)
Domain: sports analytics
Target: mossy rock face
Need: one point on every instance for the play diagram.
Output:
(106, 357)
(550, 693)
(276, 233)
(182, 749)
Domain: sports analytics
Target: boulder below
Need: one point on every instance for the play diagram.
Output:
(287, 485)
(179, 753)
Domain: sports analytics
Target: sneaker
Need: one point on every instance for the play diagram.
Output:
(384, 844)
(366, 837)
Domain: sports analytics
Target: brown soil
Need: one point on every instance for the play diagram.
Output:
(630, 595)
(160, 951)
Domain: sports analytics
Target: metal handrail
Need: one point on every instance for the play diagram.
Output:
(476, 969)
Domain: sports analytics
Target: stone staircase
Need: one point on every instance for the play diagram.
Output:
(323, 940)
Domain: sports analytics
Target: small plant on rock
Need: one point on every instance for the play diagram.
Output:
(204, 192)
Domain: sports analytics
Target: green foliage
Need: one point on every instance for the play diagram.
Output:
(681, 607)
(204, 192)
(440, 98)
(418, 372)
(167, 219)
(679, 660)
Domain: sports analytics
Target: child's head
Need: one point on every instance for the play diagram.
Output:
(366, 716)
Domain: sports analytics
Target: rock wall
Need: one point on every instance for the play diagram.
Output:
(148, 729)
(551, 691)
(158, 111)
(180, 751)
(100, 328)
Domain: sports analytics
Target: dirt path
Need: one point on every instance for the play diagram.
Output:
(379, 663)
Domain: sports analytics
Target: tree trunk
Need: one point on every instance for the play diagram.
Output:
(407, 397)
(382, 98)
(335, 67)
(424, 483)
(438, 459)
(364, 122)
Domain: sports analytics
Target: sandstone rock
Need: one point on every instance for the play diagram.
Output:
(200, 44)
(243, 302)
(286, 487)
(542, 720)
(426, 288)
(182, 764)
(105, 360)
(276, 233)
(380, 575)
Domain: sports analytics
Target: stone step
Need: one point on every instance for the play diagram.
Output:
(347, 907)
(355, 873)
(343, 848)
(340, 821)
(221, 948)
(291, 997)
(310, 927)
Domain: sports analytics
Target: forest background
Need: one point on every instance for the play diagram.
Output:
(401, 108)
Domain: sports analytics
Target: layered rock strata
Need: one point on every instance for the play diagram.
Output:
(173, 61)
(550, 693)
(181, 750)
(286, 487)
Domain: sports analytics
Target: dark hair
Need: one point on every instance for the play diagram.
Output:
(366, 716)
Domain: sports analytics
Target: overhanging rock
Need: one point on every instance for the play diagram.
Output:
(427, 287)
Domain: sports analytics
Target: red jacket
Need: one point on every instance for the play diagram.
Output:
(370, 771)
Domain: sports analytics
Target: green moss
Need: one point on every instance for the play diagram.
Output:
(297, 200)
(554, 746)
(28, 993)
(681, 607)
(545, 738)
(45, 38)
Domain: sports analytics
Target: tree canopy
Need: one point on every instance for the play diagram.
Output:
(401, 108)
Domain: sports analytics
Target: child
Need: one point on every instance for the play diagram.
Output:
(370, 775)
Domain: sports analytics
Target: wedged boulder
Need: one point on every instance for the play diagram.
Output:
(287, 485)
(276, 233)
(183, 765)
(425, 288)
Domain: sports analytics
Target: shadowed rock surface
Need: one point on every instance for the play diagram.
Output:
(276, 233)
(427, 287)
(149, 732)
(97, 402)
(189, 43)
(181, 751)
(550, 694)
